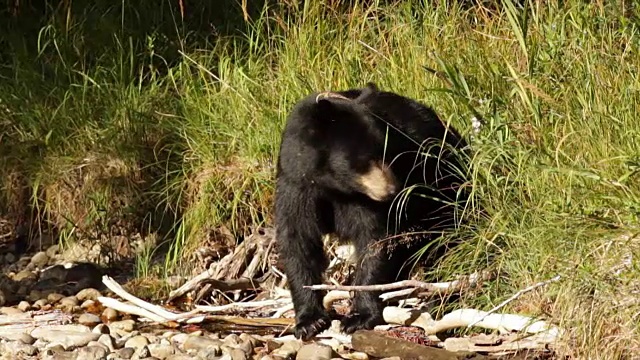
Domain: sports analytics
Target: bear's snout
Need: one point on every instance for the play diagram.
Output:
(378, 182)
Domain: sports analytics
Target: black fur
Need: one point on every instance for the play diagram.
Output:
(327, 143)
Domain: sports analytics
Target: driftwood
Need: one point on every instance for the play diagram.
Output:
(10, 325)
(234, 271)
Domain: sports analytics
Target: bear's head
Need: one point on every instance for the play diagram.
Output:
(332, 142)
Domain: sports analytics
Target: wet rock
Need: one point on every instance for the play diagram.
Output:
(88, 294)
(35, 295)
(314, 352)
(89, 319)
(92, 353)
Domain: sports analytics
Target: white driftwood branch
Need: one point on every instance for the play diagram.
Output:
(244, 305)
(464, 317)
(463, 281)
(155, 309)
(517, 295)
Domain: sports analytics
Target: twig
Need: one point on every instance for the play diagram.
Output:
(515, 296)
(241, 305)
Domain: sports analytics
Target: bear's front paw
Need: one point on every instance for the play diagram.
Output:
(309, 326)
(361, 321)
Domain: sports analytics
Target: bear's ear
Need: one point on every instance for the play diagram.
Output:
(369, 90)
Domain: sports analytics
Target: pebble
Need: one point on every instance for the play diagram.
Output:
(24, 306)
(88, 294)
(314, 352)
(288, 349)
(237, 354)
(180, 338)
(125, 353)
(110, 314)
(40, 259)
(101, 329)
(142, 352)
(17, 348)
(124, 325)
(92, 353)
(231, 340)
(137, 342)
(199, 343)
(52, 250)
(24, 275)
(86, 304)
(161, 351)
(69, 301)
(40, 303)
(89, 319)
(54, 297)
(107, 341)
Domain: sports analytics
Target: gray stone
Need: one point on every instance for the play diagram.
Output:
(10, 258)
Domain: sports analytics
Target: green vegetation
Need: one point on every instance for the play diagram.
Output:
(116, 115)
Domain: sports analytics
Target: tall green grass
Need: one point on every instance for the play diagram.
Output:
(179, 126)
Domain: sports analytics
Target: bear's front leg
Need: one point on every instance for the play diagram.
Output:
(302, 255)
(373, 268)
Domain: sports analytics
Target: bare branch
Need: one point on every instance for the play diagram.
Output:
(517, 295)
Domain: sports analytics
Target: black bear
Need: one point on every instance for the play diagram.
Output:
(371, 167)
